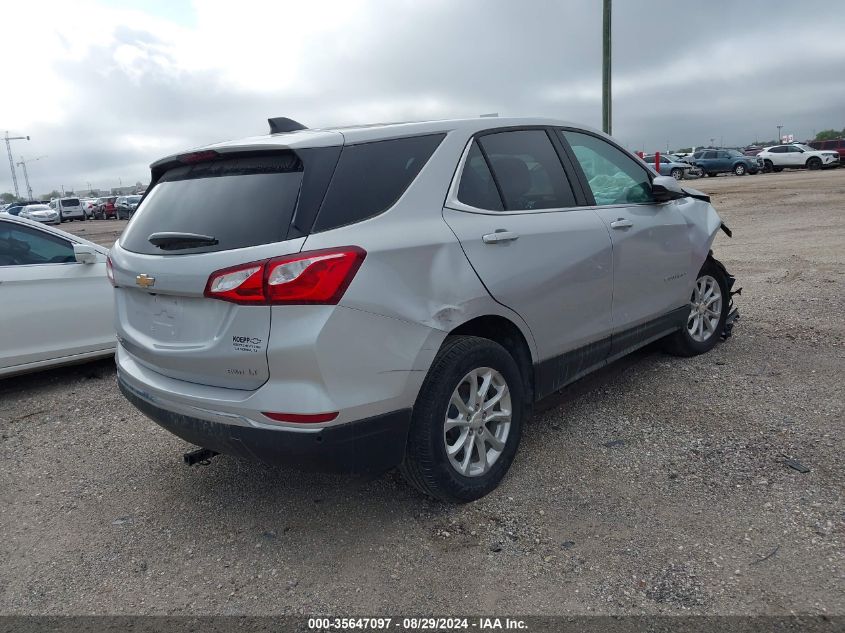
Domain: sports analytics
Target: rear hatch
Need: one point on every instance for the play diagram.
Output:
(197, 219)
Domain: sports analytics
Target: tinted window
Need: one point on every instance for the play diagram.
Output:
(722, 155)
(239, 201)
(477, 188)
(70, 202)
(527, 170)
(21, 245)
(371, 177)
(613, 176)
(780, 149)
(698, 155)
(709, 155)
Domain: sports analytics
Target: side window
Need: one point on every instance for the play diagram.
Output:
(527, 170)
(780, 149)
(709, 155)
(371, 177)
(613, 176)
(477, 188)
(722, 155)
(21, 246)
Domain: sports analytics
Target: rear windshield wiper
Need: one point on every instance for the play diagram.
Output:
(177, 241)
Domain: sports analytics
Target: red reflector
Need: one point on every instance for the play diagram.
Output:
(198, 157)
(301, 418)
(312, 277)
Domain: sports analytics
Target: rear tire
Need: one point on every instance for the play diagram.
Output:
(705, 323)
(451, 427)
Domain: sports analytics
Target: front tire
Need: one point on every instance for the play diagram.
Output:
(467, 421)
(705, 323)
(814, 163)
(677, 173)
(739, 169)
(768, 166)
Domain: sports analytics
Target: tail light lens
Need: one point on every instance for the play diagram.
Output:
(315, 277)
(110, 271)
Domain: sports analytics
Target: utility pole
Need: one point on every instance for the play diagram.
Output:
(12, 160)
(606, 110)
(23, 163)
(779, 136)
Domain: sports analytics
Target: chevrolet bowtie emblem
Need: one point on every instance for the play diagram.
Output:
(145, 281)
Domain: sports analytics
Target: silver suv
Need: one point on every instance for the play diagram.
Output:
(400, 295)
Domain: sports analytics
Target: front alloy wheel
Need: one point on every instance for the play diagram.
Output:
(705, 309)
(739, 169)
(478, 421)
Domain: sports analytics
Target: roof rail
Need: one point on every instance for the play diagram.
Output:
(282, 124)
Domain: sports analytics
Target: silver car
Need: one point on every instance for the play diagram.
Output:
(400, 295)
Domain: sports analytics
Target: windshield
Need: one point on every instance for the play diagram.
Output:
(734, 152)
(806, 148)
(133, 198)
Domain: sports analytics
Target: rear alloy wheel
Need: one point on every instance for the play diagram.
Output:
(739, 169)
(814, 163)
(467, 421)
(708, 307)
(677, 173)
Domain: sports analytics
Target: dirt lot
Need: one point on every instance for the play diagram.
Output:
(656, 486)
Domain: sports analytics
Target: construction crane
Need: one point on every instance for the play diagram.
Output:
(12, 160)
(23, 163)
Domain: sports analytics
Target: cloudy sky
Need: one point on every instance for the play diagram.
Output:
(105, 87)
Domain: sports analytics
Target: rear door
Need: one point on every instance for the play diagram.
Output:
(515, 213)
(651, 245)
(204, 217)
(53, 306)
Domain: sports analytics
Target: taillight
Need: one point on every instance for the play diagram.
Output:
(110, 271)
(315, 277)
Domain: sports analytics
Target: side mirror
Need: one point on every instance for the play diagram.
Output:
(85, 254)
(666, 188)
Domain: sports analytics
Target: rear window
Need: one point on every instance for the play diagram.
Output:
(241, 202)
(371, 177)
(70, 202)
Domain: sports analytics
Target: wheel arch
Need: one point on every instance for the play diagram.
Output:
(509, 335)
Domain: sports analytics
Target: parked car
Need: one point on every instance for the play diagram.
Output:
(89, 205)
(15, 207)
(56, 294)
(797, 156)
(348, 318)
(125, 206)
(668, 167)
(106, 208)
(836, 145)
(39, 213)
(69, 209)
(720, 161)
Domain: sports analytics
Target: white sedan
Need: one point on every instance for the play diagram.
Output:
(40, 213)
(57, 301)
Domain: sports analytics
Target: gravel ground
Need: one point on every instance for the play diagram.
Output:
(655, 486)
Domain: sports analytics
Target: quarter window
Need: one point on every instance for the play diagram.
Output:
(477, 188)
(527, 170)
(22, 246)
(613, 176)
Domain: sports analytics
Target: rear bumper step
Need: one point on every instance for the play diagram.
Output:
(370, 445)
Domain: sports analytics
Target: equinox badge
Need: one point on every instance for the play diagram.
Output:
(145, 281)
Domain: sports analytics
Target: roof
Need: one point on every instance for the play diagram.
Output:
(345, 135)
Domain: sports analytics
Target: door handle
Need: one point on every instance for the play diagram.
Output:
(501, 235)
(621, 223)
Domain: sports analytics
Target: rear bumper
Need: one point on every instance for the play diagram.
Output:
(370, 445)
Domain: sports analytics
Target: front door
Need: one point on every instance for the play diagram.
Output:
(651, 247)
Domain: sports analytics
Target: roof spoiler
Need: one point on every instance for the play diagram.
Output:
(281, 124)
